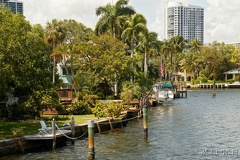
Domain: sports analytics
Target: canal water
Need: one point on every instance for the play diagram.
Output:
(198, 127)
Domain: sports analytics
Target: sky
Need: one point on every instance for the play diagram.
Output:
(221, 17)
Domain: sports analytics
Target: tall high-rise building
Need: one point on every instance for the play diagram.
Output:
(184, 20)
(14, 5)
(3, 1)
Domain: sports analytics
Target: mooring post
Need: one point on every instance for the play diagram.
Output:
(91, 153)
(186, 92)
(145, 119)
(73, 129)
(214, 88)
(110, 123)
(99, 128)
(140, 105)
(54, 134)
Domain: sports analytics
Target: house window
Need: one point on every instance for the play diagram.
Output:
(64, 71)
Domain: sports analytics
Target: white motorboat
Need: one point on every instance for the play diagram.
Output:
(162, 92)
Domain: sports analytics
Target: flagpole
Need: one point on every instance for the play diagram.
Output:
(160, 71)
(162, 68)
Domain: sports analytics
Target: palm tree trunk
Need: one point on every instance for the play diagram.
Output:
(54, 68)
(175, 70)
(115, 74)
(115, 85)
(132, 48)
(145, 63)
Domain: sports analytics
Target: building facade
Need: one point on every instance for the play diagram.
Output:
(184, 20)
(14, 5)
(236, 44)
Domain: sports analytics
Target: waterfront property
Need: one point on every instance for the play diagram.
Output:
(202, 124)
(232, 74)
(47, 140)
(39, 142)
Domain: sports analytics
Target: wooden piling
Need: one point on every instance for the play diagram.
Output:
(110, 123)
(73, 129)
(140, 105)
(145, 119)
(214, 88)
(91, 153)
(54, 134)
(99, 128)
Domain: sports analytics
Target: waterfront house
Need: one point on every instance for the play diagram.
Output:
(232, 74)
(64, 75)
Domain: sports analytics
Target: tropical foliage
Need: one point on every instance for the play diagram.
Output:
(113, 17)
(24, 60)
(109, 109)
(120, 58)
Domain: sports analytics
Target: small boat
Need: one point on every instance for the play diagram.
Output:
(162, 92)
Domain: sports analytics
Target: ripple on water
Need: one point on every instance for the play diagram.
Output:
(195, 127)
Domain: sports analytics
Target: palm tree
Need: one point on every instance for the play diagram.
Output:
(54, 34)
(195, 46)
(177, 44)
(148, 42)
(112, 20)
(166, 51)
(189, 63)
(113, 17)
(64, 56)
(135, 25)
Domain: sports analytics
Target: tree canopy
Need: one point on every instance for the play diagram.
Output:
(24, 62)
(24, 56)
(121, 48)
(100, 58)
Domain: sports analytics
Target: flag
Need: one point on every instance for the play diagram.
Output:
(162, 69)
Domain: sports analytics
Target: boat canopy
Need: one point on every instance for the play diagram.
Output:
(166, 85)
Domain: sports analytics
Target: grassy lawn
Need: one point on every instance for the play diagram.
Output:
(31, 127)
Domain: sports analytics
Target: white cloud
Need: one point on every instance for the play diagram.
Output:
(221, 16)
(45, 10)
(221, 21)
(153, 10)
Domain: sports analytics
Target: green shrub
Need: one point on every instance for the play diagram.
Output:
(237, 78)
(130, 91)
(230, 80)
(16, 112)
(109, 109)
(59, 108)
(203, 79)
(80, 108)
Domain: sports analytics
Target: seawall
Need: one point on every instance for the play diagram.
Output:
(23, 145)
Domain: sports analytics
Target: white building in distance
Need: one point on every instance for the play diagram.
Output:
(15, 6)
(236, 44)
(184, 20)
